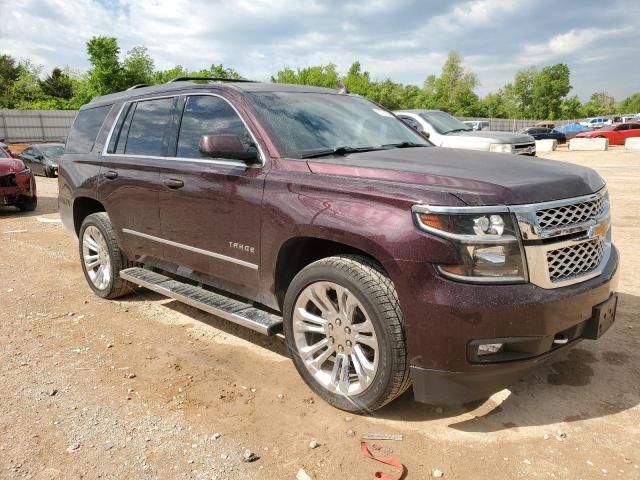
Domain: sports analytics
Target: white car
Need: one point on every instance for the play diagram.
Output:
(596, 122)
(445, 130)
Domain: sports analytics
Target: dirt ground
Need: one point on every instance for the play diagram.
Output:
(137, 388)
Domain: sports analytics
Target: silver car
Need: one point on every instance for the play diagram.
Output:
(445, 130)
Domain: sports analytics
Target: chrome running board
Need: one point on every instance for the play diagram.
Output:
(230, 309)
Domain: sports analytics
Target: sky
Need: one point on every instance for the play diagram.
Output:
(405, 40)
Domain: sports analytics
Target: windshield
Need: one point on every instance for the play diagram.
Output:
(306, 123)
(52, 152)
(443, 123)
(4, 154)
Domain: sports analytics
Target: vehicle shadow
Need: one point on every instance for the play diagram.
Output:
(46, 205)
(273, 344)
(594, 379)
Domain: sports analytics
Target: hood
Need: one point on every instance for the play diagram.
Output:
(494, 137)
(10, 165)
(477, 178)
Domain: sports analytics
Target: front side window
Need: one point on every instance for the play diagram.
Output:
(85, 129)
(149, 125)
(208, 115)
(308, 123)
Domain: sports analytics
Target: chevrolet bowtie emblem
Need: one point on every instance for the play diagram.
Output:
(599, 230)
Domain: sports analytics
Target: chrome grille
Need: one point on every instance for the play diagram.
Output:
(571, 214)
(575, 260)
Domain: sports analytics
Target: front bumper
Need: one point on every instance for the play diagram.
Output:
(444, 318)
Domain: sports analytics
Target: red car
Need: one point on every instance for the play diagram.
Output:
(17, 184)
(616, 134)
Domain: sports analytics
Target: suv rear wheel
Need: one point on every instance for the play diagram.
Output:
(101, 257)
(344, 330)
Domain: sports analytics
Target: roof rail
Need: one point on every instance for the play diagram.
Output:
(140, 85)
(211, 79)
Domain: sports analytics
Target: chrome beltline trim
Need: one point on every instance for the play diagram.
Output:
(219, 256)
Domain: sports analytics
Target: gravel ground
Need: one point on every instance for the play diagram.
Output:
(150, 388)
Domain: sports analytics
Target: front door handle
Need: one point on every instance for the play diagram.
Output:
(110, 174)
(173, 183)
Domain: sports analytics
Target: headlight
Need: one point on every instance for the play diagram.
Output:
(488, 244)
(501, 148)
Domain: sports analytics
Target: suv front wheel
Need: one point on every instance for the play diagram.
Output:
(101, 257)
(344, 331)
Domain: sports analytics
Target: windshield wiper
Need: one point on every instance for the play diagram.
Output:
(404, 145)
(338, 151)
(458, 130)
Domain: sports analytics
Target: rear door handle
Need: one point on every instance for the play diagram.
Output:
(173, 183)
(110, 174)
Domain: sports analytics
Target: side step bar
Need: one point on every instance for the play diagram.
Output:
(233, 310)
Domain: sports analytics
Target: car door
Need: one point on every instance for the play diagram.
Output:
(129, 176)
(27, 157)
(210, 208)
(633, 130)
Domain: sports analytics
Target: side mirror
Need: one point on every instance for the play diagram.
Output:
(227, 146)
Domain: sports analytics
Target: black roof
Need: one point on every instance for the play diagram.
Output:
(173, 87)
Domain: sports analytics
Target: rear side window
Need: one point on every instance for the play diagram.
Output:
(85, 129)
(148, 129)
(207, 115)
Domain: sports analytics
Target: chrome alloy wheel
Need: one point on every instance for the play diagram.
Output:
(95, 255)
(335, 338)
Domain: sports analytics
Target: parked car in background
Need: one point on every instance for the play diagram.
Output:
(43, 158)
(17, 184)
(478, 124)
(543, 133)
(6, 149)
(616, 134)
(570, 130)
(545, 124)
(445, 130)
(596, 122)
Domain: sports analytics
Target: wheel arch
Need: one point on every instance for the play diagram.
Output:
(298, 252)
(82, 208)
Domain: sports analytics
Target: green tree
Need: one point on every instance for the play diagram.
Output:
(106, 74)
(571, 108)
(630, 104)
(138, 67)
(357, 81)
(495, 105)
(319, 76)
(453, 91)
(550, 87)
(600, 103)
(57, 85)
(9, 72)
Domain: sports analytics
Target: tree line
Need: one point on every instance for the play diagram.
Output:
(533, 93)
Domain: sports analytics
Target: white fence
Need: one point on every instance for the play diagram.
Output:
(25, 126)
(513, 125)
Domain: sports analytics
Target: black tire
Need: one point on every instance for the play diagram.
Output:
(28, 204)
(372, 287)
(117, 287)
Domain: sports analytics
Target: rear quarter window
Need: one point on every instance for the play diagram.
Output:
(85, 129)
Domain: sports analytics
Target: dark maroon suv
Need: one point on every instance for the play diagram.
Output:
(384, 262)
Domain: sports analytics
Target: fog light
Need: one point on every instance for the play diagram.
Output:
(490, 348)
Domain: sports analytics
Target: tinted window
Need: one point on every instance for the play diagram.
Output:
(147, 133)
(207, 115)
(621, 127)
(634, 126)
(85, 129)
